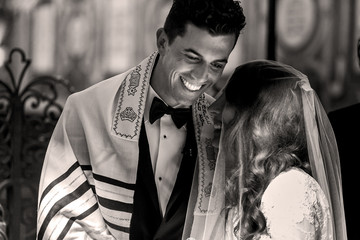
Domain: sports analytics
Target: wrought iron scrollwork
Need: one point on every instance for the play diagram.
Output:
(29, 111)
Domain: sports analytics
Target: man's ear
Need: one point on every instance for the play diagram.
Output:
(161, 40)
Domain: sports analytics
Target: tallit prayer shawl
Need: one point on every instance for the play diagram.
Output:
(89, 172)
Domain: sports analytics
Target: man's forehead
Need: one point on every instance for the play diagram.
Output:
(201, 42)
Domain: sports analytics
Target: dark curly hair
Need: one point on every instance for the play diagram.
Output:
(266, 137)
(219, 17)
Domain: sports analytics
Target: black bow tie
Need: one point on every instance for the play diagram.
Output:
(179, 115)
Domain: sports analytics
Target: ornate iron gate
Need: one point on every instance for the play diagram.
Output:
(28, 114)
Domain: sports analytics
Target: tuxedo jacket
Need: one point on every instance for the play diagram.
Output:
(90, 169)
(346, 126)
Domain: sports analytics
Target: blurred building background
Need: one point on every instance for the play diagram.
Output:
(87, 41)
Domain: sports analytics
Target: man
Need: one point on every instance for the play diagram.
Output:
(345, 122)
(116, 167)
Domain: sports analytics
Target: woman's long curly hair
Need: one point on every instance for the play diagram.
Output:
(266, 137)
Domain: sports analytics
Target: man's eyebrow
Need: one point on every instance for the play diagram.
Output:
(221, 60)
(198, 54)
(192, 51)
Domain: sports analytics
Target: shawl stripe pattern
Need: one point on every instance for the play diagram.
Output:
(114, 182)
(63, 211)
(119, 228)
(72, 220)
(115, 205)
(59, 179)
(61, 203)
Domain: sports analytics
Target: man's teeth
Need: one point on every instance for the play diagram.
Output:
(190, 86)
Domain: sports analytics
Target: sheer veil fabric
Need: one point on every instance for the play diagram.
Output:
(209, 224)
(324, 162)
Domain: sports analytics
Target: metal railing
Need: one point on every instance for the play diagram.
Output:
(29, 111)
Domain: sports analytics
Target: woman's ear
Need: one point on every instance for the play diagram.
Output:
(161, 40)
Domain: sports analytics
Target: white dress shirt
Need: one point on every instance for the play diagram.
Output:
(166, 143)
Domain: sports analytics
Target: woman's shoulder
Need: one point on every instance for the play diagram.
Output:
(294, 205)
(293, 187)
(293, 180)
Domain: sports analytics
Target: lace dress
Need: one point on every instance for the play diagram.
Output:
(295, 207)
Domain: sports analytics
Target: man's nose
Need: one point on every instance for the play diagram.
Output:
(201, 71)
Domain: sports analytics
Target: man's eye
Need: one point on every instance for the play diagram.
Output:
(218, 66)
(192, 58)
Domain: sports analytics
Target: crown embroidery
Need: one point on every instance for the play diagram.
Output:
(128, 114)
(134, 81)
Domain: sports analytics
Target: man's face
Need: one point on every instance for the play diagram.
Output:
(190, 64)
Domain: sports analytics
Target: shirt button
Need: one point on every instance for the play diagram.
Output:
(164, 136)
(160, 178)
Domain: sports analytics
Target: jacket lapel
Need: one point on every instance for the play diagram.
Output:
(146, 170)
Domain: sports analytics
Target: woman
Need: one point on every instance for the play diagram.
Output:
(278, 160)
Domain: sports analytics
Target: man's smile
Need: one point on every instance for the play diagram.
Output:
(189, 86)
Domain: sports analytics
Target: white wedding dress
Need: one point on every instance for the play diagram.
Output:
(295, 207)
